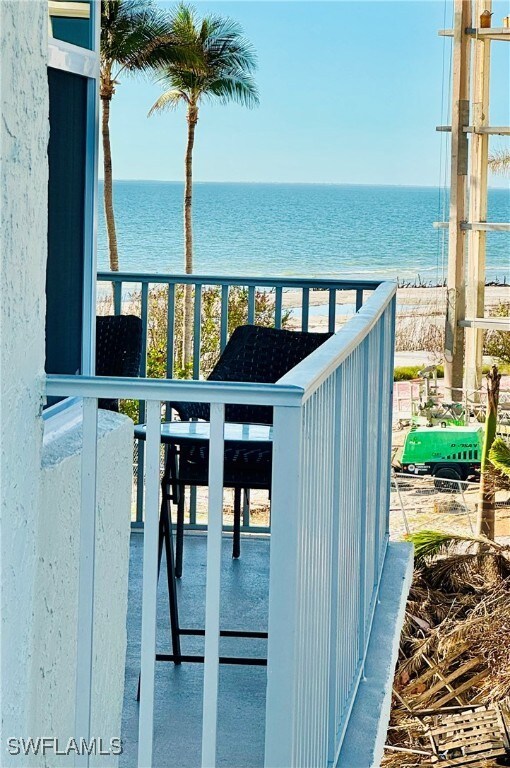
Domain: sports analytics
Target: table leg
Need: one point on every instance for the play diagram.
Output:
(236, 545)
(179, 539)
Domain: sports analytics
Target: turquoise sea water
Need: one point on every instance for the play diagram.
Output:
(292, 229)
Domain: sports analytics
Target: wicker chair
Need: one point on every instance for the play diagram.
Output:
(118, 349)
(253, 354)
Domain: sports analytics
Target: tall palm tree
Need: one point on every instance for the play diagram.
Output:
(135, 37)
(227, 61)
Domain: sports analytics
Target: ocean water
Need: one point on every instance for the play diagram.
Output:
(292, 229)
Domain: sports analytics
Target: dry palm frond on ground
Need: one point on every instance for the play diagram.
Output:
(457, 618)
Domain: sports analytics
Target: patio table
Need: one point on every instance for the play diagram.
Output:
(173, 435)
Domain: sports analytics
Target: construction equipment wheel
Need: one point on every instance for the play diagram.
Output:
(447, 479)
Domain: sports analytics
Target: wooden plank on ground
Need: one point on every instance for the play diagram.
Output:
(454, 722)
(474, 738)
(487, 749)
(465, 687)
(476, 761)
(477, 736)
(462, 670)
(434, 668)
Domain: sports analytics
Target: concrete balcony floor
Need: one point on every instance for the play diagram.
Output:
(178, 690)
(241, 705)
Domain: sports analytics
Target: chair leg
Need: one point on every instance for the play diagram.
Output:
(172, 588)
(236, 546)
(166, 539)
(246, 507)
(179, 543)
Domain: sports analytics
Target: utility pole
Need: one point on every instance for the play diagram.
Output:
(456, 292)
(465, 315)
(477, 238)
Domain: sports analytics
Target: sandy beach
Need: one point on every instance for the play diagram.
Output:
(420, 317)
(410, 302)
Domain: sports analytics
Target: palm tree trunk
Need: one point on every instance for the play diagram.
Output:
(192, 118)
(108, 186)
(486, 503)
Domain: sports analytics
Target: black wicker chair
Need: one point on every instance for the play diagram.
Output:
(118, 349)
(253, 354)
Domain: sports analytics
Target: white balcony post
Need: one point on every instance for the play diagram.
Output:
(381, 458)
(390, 341)
(335, 534)
(282, 668)
(362, 450)
(150, 585)
(213, 593)
(86, 566)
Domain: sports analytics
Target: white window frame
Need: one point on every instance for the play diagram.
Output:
(86, 63)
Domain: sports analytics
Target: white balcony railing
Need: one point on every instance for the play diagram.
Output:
(329, 531)
(149, 294)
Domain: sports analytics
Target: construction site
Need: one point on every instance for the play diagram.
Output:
(451, 455)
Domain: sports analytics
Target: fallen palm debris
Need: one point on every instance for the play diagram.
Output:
(451, 695)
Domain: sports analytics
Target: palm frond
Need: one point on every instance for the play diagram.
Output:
(221, 62)
(499, 161)
(463, 571)
(167, 100)
(429, 544)
(184, 20)
(137, 35)
(241, 89)
(226, 46)
(500, 456)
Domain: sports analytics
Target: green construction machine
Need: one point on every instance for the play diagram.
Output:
(452, 453)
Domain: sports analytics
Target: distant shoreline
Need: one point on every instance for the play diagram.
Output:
(337, 231)
(293, 184)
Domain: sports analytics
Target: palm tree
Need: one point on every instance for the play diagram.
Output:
(500, 456)
(486, 505)
(135, 37)
(224, 73)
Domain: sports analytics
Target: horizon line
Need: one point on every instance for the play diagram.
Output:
(294, 183)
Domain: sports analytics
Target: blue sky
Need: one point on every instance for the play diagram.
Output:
(350, 93)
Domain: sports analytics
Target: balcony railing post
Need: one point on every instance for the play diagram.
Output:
(150, 584)
(362, 440)
(284, 602)
(335, 537)
(305, 309)
(251, 304)
(170, 342)
(86, 573)
(332, 311)
(197, 328)
(391, 310)
(117, 298)
(144, 312)
(213, 584)
(278, 308)
(382, 417)
(224, 317)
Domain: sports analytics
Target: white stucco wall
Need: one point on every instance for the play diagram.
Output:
(23, 221)
(54, 655)
(40, 486)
